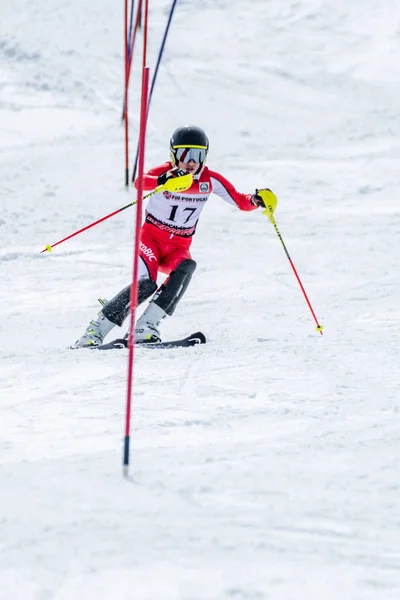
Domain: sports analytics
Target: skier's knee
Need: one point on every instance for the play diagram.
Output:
(146, 288)
(187, 266)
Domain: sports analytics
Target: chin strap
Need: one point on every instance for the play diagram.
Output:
(198, 173)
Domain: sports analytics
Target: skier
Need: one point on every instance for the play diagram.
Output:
(166, 235)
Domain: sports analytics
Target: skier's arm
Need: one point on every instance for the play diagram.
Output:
(150, 179)
(225, 190)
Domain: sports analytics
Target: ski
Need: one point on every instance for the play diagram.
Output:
(191, 340)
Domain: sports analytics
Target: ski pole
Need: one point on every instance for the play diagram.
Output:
(177, 184)
(271, 201)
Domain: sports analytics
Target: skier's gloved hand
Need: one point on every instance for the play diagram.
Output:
(257, 200)
(264, 198)
(176, 172)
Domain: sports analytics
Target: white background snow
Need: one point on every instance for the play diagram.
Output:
(264, 465)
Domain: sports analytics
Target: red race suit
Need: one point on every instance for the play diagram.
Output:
(171, 218)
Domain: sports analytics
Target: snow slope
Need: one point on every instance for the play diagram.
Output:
(265, 464)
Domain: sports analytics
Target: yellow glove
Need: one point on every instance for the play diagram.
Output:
(179, 183)
(266, 199)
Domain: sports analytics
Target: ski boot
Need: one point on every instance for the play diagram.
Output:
(147, 327)
(95, 332)
(164, 303)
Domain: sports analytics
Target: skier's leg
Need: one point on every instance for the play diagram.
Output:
(114, 313)
(116, 310)
(166, 298)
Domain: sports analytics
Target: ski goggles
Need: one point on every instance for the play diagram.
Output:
(183, 154)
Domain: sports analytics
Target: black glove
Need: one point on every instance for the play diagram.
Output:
(257, 200)
(163, 178)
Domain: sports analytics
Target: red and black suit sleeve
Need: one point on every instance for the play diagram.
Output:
(150, 178)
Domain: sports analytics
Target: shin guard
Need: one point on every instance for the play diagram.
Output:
(117, 309)
(172, 290)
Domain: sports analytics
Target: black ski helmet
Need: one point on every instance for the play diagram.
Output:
(185, 137)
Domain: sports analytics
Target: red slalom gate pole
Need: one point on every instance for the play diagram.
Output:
(132, 46)
(146, 20)
(171, 12)
(134, 288)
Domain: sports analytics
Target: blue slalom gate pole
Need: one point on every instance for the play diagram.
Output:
(130, 30)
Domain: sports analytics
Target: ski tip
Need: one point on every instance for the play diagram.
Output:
(114, 345)
(199, 338)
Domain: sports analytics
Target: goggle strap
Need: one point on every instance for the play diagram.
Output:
(191, 146)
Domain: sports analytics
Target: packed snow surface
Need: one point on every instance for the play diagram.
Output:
(265, 464)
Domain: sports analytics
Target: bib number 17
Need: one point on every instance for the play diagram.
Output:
(174, 208)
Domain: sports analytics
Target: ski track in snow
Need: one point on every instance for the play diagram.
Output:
(265, 463)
